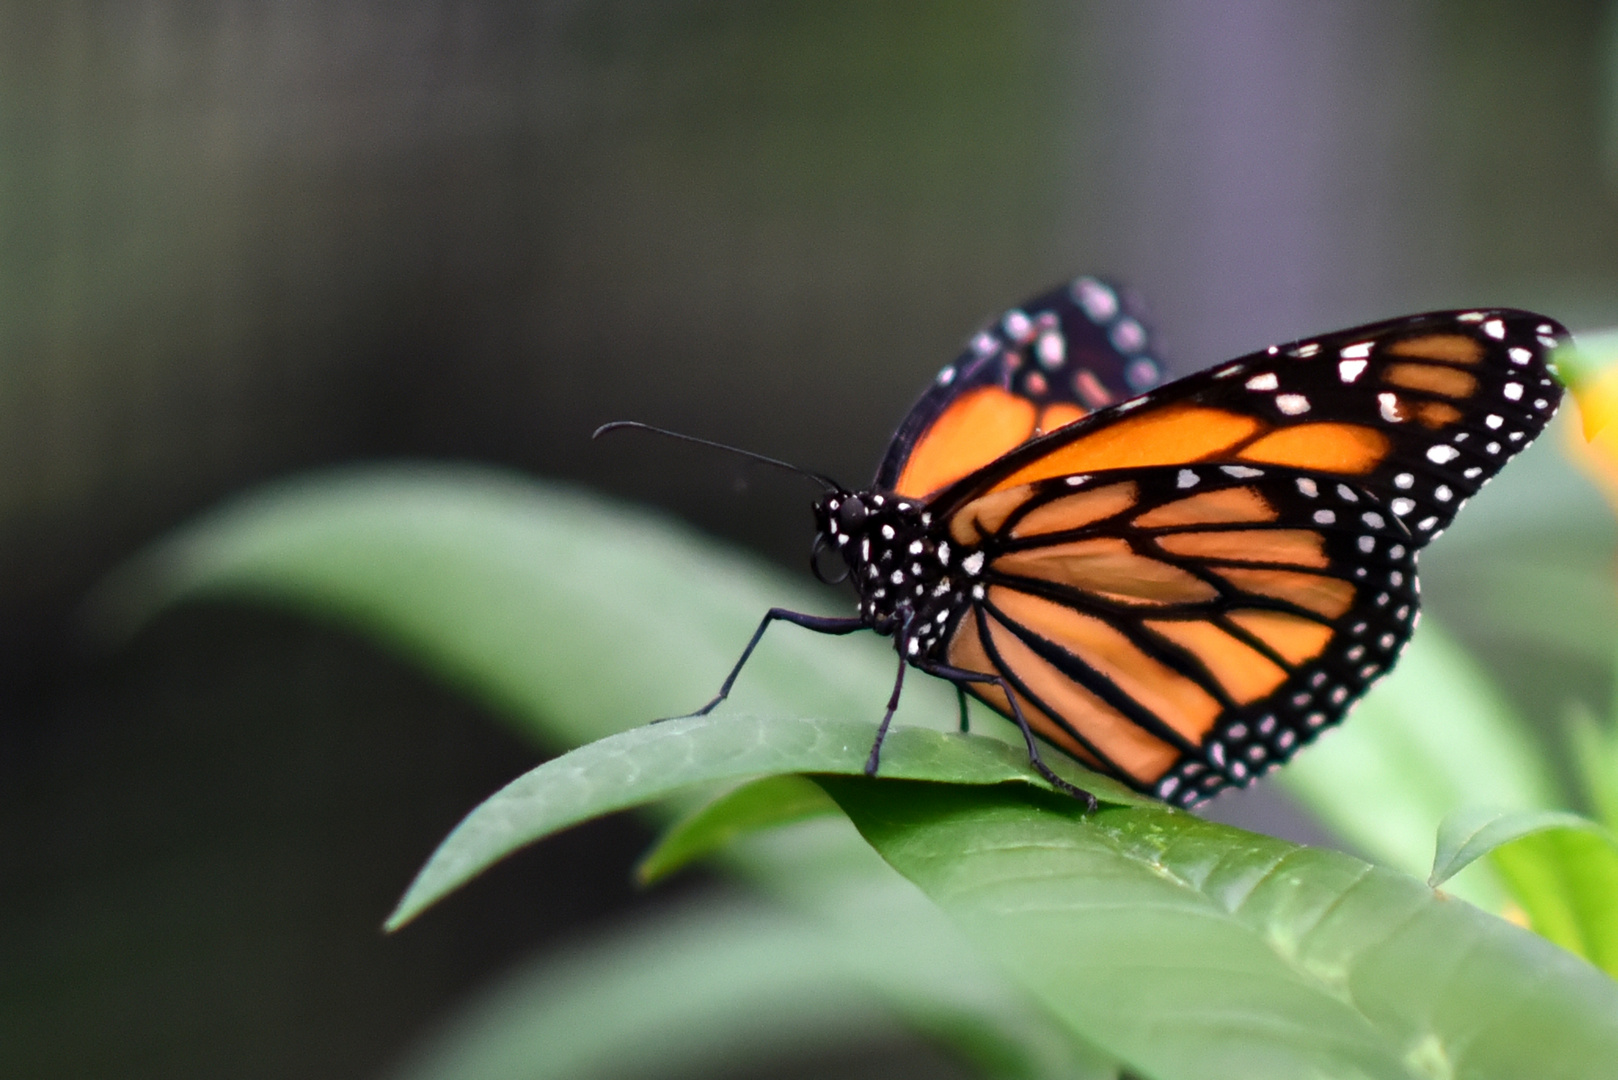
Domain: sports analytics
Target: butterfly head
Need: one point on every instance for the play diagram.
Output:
(901, 569)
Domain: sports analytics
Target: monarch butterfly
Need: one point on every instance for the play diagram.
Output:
(1181, 584)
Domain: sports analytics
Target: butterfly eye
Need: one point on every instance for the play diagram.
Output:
(851, 514)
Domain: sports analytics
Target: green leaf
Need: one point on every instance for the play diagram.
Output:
(1188, 949)
(652, 762)
(684, 994)
(1566, 881)
(1433, 735)
(572, 615)
(762, 804)
(695, 992)
(1595, 755)
(1468, 834)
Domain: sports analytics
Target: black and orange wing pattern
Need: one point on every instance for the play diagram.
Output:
(1420, 411)
(1184, 588)
(1058, 357)
(1186, 628)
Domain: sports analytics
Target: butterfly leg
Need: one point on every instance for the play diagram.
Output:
(960, 696)
(820, 624)
(875, 759)
(961, 675)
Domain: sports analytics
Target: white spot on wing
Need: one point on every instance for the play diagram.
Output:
(1128, 335)
(1186, 479)
(1098, 301)
(1266, 381)
(1495, 329)
(1018, 326)
(1052, 350)
(1241, 472)
(973, 563)
(1349, 370)
(1389, 406)
(1440, 454)
(1512, 391)
(1292, 404)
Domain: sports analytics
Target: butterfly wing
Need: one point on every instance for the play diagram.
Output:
(1419, 412)
(1186, 628)
(1057, 358)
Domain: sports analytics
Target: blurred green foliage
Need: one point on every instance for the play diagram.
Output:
(1223, 953)
(239, 241)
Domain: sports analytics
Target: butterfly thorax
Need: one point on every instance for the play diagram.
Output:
(912, 580)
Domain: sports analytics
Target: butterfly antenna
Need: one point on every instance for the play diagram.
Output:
(824, 481)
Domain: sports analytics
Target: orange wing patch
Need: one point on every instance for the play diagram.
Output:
(1059, 415)
(979, 427)
(1244, 672)
(1107, 567)
(966, 652)
(1288, 547)
(1130, 747)
(1330, 597)
(1455, 348)
(1076, 511)
(1293, 637)
(1171, 435)
(1176, 700)
(1447, 381)
(1342, 448)
(983, 517)
(1231, 505)
(1436, 414)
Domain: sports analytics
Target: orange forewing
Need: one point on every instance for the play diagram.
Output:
(977, 428)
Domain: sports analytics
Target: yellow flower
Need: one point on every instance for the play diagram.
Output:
(1590, 371)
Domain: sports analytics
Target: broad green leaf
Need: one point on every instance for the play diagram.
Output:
(698, 991)
(573, 615)
(1566, 881)
(652, 762)
(1191, 950)
(1468, 834)
(680, 994)
(762, 804)
(1432, 736)
(1595, 755)
(898, 940)
(687, 994)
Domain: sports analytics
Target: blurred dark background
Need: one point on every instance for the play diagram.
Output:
(242, 240)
